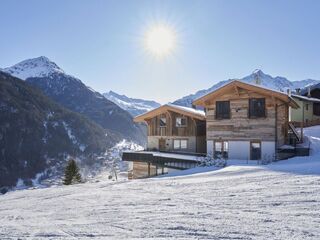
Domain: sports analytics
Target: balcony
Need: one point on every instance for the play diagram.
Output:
(174, 160)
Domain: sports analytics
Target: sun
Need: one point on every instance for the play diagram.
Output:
(160, 40)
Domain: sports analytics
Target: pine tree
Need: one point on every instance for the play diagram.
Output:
(71, 173)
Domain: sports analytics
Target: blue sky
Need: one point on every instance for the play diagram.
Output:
(101, 41)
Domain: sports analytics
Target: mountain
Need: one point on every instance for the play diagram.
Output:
(37, 67)
(71, 93)
(37, 134)
(278, 83)
(134, 106)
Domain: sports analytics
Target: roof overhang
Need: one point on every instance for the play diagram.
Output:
(307, 99)
(233, 85)
(170, 107)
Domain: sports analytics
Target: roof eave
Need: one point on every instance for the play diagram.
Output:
(165, 108)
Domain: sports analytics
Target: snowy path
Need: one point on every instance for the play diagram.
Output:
(278, 201)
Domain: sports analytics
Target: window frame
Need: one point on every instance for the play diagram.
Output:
(176, 140)
(185, 125)
(165, 122)
(251, 143)
(316, 109)
(186, 143)
(249, 109)
(224, 149)
(179, 144)
(217, 116)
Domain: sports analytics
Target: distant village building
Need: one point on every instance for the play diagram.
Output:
(308, 111)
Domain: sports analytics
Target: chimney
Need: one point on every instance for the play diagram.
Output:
(309, 92)
(298, 91)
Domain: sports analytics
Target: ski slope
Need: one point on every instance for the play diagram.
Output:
(276, 201)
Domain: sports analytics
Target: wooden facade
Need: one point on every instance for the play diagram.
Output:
(193, 127)
(169, 124)
(146, 169)
(241, 121)
(248, 120)
(240, 126)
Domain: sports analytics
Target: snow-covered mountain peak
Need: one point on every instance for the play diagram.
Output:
(266, 80)
(133, 105)
(34, 67)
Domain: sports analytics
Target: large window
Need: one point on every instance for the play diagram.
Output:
(222, 109)
(181, 122)
(183, 144)
(257, 108)
(163, 122)
(221, 149)
(180, 144)
(255, 150)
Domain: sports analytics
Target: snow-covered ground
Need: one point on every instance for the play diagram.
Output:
(276, 201)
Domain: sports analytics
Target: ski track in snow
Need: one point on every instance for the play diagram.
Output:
(276, 201)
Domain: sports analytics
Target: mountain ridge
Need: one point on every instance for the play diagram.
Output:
(73, 94)
(134, 106)
(37, 134)
(277, 83)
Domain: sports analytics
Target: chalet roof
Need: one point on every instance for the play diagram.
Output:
(305, 90)
(304, 98)
(191, 112)
(252, 87)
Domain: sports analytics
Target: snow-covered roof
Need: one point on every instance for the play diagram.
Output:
(255, 87)
(191, 112)
(309, 99)
(305, 90)
(188, 109)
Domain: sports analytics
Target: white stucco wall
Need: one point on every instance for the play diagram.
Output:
(267, 150)
(153, 142)
(210, 147)
(239, 150)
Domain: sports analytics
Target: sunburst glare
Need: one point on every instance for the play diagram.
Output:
(160, 40)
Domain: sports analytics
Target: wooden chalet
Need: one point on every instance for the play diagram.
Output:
(246, 121)
(240, 121)
(170, 129)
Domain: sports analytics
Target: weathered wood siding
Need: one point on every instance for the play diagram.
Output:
(240, 126)
(141, 170)
(194, 127)
(144, 169)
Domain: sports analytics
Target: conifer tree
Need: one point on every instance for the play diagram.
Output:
(71, 173)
